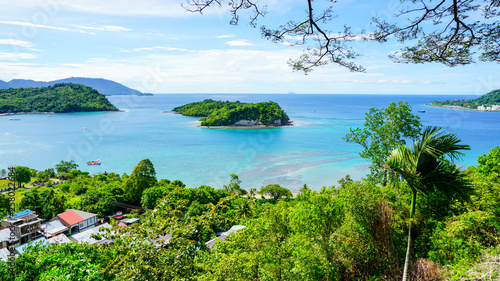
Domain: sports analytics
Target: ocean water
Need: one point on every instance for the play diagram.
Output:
(312, 151)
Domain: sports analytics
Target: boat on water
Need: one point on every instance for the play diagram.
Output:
(14, 119)
(94, 163)
(421, 111)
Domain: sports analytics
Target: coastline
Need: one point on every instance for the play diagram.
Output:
(21, 113)
(455, 107)
(242, 127)
(237, 127)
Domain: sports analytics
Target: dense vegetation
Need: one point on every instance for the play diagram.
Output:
(489, 99)
(59, 98)
(354, 230)
(225, 113)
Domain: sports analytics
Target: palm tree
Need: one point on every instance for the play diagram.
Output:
(426, 167)
(244, 209)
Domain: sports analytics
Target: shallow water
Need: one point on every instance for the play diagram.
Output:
(312, 151)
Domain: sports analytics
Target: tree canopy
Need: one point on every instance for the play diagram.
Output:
(23, 174)
(450, 32)
(384, 129)
(142, 177)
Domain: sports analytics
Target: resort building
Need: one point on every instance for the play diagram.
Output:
(224, 235)
(53, 228)
(60, 239)
(8, 239)
(77, 221)
(85, 236)
(26, 225)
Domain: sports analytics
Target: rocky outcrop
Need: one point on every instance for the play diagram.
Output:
(246, 122)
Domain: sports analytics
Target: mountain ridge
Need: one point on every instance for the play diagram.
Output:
(103, 86)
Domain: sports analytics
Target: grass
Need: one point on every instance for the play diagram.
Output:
(4, 183)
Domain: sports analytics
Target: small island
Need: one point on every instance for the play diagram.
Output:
(487, 102)
(235, 114)
(59, 98)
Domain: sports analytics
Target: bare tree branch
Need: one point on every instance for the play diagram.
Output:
(438, 31)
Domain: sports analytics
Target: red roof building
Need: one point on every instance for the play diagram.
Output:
(77, 220)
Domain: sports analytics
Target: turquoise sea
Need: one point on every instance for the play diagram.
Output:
(312, 151)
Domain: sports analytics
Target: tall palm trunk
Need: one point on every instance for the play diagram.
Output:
(407, 258)
(408, 248)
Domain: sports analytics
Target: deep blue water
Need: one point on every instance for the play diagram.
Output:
(312, 151)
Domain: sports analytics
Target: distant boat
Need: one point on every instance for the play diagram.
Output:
(49, 115)
(421, 111)
(14, 119)
(94, 163)
(84, 128)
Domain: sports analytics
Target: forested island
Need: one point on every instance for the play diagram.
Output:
(489, 101)
(235, 114)
(60, 98)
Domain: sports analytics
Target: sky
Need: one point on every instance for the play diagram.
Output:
(156, 46)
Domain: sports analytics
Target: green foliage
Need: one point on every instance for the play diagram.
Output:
(59, 262)
(23, 174)
(43, 201)
(58, 98)
(465, 237)
(225, 113)
(142, 177)
(356, 231)
(275, 191)
(384, 129)
(486, 268)
(45, 175)
(489, 99)
(4, 205)
(234, 186)
(489, 164)
(65, 166)
(426, 169)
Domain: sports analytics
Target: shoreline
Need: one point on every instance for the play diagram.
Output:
(242, 127)
(237, 127)
(456, 107)
(54, 113)
(460, 108)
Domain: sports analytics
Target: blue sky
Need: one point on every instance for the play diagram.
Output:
(156, 46)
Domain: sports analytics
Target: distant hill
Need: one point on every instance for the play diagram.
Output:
(490, 99)
(103, 86)
(59, 98)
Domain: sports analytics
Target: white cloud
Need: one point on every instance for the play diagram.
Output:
(17, 56)
(395, 81)
(15, 42)
(156, 48)
(160, 8)
(34, 25)
(104, 28)
(225, 36)
(241, 42)
(29, 24)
